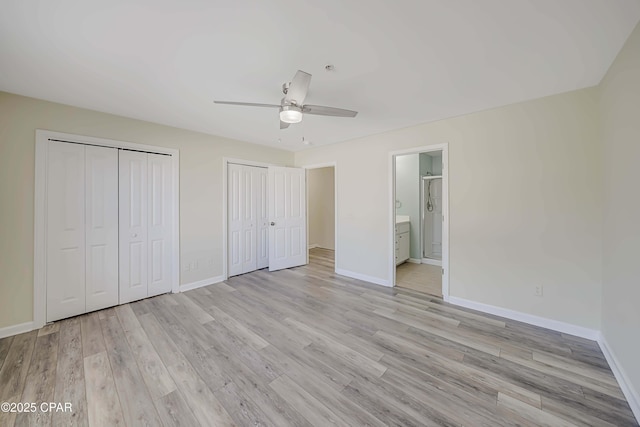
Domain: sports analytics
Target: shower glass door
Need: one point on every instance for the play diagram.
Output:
(432, 217)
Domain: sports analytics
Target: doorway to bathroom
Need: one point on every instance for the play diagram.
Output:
(420, 220)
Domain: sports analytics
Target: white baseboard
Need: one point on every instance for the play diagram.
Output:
(430, 261)
(313, 246)
(633, 398)
(370, 279)
(415, 260)
(16, 329)
(554, 325)
(201, 283)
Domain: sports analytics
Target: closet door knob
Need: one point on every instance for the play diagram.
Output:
(273, 223)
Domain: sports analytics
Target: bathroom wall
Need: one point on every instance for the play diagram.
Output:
(408, 193)
(431, 163)
(426, 163)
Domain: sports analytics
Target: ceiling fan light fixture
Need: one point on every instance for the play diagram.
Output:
(290, 114)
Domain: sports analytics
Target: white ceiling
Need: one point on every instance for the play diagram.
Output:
(398, 63)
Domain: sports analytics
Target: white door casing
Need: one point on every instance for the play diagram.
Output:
(160, 224)
(65, 226)
(287, 215)
(133, 226)
(101, 217)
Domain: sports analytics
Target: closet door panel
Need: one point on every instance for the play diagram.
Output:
(160, 224)
(249, 222)
(133, 215)
(234, 219)
(65, 272)
(262, 236)
(287, 209)
(101, 227)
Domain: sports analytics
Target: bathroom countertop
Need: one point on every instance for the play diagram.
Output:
(402, 218)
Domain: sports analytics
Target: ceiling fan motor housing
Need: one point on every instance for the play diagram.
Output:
(291, 114)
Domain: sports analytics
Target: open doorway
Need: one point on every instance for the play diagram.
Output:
(420, 221)
(321, 214)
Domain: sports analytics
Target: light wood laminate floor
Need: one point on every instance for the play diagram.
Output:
(305, 347)
(424, 278)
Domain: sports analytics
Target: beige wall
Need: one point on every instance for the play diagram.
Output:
(620, 109)
(525, 204)
(320, 183)
(200, 188)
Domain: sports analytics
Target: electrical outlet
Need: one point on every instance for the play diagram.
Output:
(538, 290)
(186, 267)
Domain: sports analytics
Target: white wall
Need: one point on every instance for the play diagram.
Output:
(534, 217)
(320, 184)
(620, 109)
(200, 188)
(408, 194)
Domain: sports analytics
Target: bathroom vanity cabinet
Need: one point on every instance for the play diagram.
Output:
(402, 241)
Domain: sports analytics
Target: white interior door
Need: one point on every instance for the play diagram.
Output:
(101, 227)
(65, 270)
(249, 223)
(234, 220)
(261, 179)
(247, 218)
(287, 215)
(160, 224)
(133, 226)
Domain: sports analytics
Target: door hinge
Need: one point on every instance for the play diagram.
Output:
(443, 271)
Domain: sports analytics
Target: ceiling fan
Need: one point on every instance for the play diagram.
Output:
(292, 106)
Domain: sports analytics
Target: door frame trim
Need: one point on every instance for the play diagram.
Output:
(444, 147)
(334, 165)
(40, 206)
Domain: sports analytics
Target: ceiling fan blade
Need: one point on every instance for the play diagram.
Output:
(284, 125)
(321, 110)
(247, 104)
(298, 88)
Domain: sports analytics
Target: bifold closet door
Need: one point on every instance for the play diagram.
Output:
(242, 220)
(247, 218)
(160, 224)
(261, 183)
(82, 229)
(146, 222)
(101, 228)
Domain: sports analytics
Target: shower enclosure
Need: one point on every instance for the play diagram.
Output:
(431, 214)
